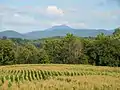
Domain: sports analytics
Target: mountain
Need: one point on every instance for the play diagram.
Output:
(91, 32)
(11, 34)
(61, 30)
(60, 27)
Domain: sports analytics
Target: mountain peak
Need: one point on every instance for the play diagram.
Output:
(11, 34)
(63, 26)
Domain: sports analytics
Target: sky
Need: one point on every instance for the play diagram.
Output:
(35, 15)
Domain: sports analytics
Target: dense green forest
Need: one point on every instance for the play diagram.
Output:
(100, 50)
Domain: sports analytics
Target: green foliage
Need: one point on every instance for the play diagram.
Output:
(101, 50)
(43, 58)
(117, 31)
(26, 54)
(66, 50)
(7, 54)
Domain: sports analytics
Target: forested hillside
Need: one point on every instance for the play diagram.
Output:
(100, 51)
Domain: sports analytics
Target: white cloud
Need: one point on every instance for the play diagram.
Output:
(71, 24)
(18, 19)
(57, 23)
(78, 25)
(16, 15)
(54, 10)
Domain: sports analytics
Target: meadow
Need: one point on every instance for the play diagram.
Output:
(59, 77)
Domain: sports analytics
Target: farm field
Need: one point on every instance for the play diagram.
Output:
(59, 77)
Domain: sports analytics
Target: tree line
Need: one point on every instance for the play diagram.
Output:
(101, 50)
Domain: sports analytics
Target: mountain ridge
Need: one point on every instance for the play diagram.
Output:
(60, 30)
(11, 34)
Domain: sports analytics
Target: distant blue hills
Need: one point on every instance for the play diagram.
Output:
(61, 30)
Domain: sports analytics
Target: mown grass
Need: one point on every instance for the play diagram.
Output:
(59, 77)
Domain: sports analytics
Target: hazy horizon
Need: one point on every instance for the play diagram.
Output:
(35, 15)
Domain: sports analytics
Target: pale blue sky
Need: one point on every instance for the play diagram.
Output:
(31, 15)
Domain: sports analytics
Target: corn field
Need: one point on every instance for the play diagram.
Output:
(59, 77)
